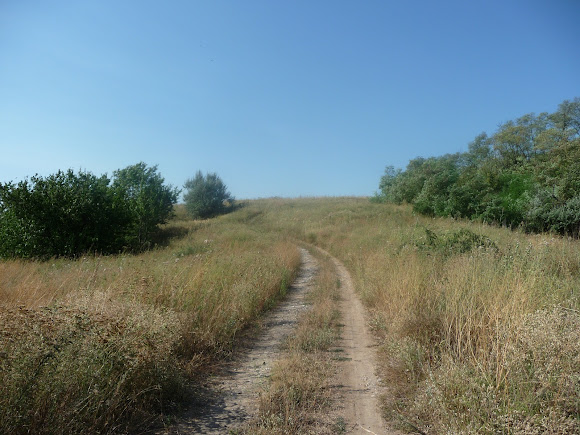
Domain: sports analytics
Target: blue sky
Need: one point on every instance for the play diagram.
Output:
(280, 98)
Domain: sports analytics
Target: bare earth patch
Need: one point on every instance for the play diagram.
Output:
(359, 386)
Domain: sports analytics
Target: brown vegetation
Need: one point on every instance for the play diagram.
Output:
(105, 343)
(478, 325)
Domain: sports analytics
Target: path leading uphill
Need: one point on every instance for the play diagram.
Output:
(234, 392)
(360, 388)
(232, 397)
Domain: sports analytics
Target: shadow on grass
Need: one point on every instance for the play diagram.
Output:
(164, 236)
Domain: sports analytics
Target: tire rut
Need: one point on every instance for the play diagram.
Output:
(359, 386)
(233, 393)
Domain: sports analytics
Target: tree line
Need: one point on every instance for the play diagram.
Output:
(526, 174)
(68, 214)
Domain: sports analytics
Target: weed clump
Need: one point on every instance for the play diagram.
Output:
(455, 242)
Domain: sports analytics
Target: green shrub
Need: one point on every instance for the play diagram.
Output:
(68, 214)
(456, 242)
(207, 196)
(525, 175)
(547, 214)
(146, 201)
(64, 214)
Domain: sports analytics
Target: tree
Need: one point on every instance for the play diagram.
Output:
(480, 150)
(387, 185)
(64, 214)
(69, 214)
(144, 199)
(207, 196)
(526, 173)
(440, 174)
(516, 142)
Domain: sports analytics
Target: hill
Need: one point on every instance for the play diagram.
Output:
(478, 325)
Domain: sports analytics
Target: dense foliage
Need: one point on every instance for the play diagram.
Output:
(147, 201)
(207, 196)
(68, 214)
(526, 174)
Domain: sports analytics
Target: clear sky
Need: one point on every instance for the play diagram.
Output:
(279, 97)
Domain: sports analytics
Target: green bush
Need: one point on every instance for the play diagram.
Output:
(525, 175)
(546, 213)
(207, 196)
(68, 214)
(456, 242)
(61, 215)
(145, 200)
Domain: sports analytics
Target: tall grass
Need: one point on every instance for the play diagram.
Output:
(479, 324)
(102, 344)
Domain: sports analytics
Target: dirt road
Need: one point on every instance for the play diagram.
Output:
(233, 394)
(360, 388)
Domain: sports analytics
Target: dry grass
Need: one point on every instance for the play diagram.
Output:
(459, 308)
(104, 343)
(476, 338)
(298, 399)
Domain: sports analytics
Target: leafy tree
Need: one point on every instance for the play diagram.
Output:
(404, 186)
(527, 173)
(387, 185)
(558, 167)
(480, 151)
(63, 214)
(467, 195)
(143, 198)
(69, 214)
(567, 118)
(516, 142)
(440, 174)
(207, 196)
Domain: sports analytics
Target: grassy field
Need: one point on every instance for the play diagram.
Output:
(479, 326)
(105, 344)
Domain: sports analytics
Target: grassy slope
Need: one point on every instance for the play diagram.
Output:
(102, 344)
(480, 332)
(480, 325)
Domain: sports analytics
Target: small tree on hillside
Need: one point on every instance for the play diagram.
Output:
(207, 196)
(146, 200)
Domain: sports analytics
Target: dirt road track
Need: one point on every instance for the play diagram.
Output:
(360, 386)
(233, 395)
